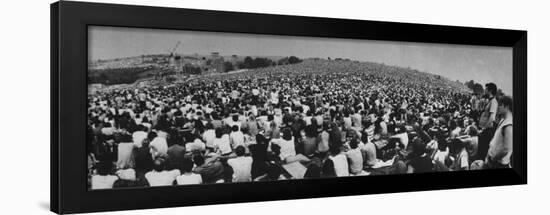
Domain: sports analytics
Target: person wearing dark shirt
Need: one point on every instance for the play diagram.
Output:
(258, 152)
(210, 168)
(420, 161)
(144, 160)
(176, 151)
(107, 150)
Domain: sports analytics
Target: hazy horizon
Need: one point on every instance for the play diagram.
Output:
(457, 62)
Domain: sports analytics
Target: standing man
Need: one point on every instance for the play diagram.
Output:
(487, 119)
(501, 145)
(488, 113)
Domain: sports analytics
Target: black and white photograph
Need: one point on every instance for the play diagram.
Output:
(177, 107)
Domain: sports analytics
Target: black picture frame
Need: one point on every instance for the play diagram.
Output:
(69, 21)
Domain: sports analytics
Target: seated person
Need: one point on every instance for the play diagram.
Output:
(459, 156)
(355, 157)
(328, 169)
(288, 149)
(187, 176)
(241, 165)
(236, 138)
(274, 173)
(209, 167)
(159, 176)
(194, 143)
(368, 151)
(419, 159)
(103, 179)
(222, 143)
(341, 166)
(442, 152)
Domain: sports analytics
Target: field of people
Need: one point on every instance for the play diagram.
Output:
(317, 118)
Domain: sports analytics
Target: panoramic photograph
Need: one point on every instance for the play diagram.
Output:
(174, 107)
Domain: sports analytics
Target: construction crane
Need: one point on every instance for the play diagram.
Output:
(174, 49)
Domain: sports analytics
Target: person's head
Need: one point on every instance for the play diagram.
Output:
(490, 89)
(209, 126)
(276, 149)
(186, 165)
(104, 168)
(235, 117)
(158, 165)
(240, 151)
(452, 124)
(141, 127)
(198, 159)
(219, 132)
(326, 126)
(364, 137)
(260, 139)
(287, 134)
(442, 145)
(472, 131)
(151, 135)
(235, 128)
(311, 131)
(354, 143)
(505, 105)
(215, 116)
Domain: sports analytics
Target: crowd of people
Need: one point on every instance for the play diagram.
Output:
(333, 118)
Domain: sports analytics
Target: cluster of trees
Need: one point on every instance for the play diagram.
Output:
(260, 62)
(116, 76)
(289, 60)
(253, 63)
(228, 66)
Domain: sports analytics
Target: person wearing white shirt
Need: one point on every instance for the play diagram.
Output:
(125, 152)
(355, 157)
(341, 166)
(287, 145)
(236, 137)
(159, 176)
(103, 179)
(209, 135)
(222, 142)
(195, 145)
(159, 147)
(241, 165)
(139, 135)
(188, 177)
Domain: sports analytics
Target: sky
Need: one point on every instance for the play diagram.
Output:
(482, 64)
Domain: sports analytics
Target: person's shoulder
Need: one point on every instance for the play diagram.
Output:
(507, 129)
(149, 174)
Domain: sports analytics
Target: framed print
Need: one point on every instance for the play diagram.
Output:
(164, 107)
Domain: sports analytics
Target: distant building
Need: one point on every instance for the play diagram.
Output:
(215, 64)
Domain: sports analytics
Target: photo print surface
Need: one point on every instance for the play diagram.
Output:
(174, 107)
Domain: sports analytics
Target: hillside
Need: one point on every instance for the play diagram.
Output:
(320, 67)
